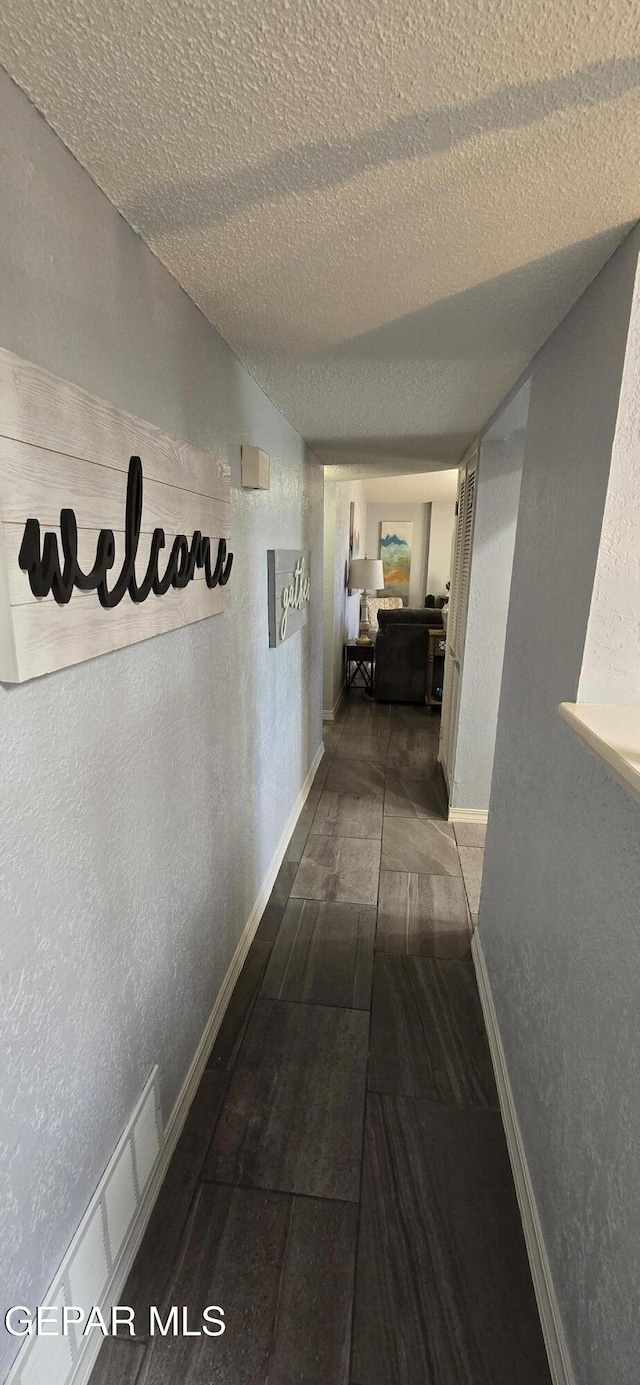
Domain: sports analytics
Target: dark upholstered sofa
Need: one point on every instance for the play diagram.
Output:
(402, 647)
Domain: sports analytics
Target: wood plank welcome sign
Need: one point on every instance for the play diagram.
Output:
(111, 531)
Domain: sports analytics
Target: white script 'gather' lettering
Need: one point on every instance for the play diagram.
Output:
(295, 595)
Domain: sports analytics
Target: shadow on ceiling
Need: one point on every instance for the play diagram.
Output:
(472, 324)
(370, 470)
(189, 204)
(435, 453)
(499, 319)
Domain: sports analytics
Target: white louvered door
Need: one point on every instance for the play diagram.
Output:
(449, 687)
(457, 619)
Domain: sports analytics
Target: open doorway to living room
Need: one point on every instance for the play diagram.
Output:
(387, 638)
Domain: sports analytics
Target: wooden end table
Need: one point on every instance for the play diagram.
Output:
(359, 662)
(437, 649)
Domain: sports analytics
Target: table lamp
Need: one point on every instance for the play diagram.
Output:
(365, 575)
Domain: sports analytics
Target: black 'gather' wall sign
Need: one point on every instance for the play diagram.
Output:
(76, 526)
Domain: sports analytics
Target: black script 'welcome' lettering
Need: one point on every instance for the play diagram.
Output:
(46, 574)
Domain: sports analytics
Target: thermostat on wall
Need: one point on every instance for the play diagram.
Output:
(256, 466)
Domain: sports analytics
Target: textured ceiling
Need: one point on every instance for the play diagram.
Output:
(437, 486)
(385, 206)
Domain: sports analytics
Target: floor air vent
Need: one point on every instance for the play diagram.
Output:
(98, 1247)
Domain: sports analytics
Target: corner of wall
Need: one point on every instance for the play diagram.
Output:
(610, 671)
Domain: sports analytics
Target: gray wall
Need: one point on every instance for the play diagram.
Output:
(329, 672)
(419, 516)
(611, 662)
(559, 906)
(494, 532)
(440, 542)
(341, 611)
(142, 794)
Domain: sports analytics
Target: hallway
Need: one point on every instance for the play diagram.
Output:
(304, 308)
(342, 1187)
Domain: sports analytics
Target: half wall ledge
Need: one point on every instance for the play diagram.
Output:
(611, 732)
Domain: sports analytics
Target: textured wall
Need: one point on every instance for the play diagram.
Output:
(142, 794)
(341, 611)
(494, 533)
(419, 516)
(440, 540)
(559, 907)
(328, 597)
(611, 662)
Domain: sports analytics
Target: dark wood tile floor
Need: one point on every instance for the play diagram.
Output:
(342, 869)
(292, 1118)
(443, 1289)
(420, 847)
(341, 1187)
(422, 915)
(119, 1363)
(323, 955)
(427, 1032)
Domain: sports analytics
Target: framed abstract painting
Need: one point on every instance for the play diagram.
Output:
(354, 540)
(396, 539)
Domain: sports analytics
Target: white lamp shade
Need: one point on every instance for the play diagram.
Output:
(366, 574)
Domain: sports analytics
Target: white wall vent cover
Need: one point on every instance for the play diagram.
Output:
(49, 1357)
(85, 1275)
(120, 1201)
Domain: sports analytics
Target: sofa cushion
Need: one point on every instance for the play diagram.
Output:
(419, 615)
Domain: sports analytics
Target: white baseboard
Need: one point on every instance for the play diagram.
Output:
(25, 1371)
(332, 715)
(468, 815)
(553, 1332)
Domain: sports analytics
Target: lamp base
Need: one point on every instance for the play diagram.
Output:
(364, 636)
